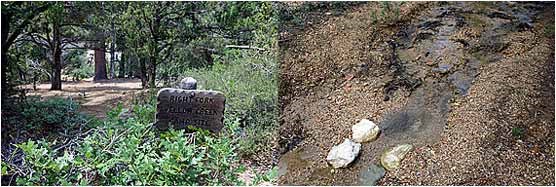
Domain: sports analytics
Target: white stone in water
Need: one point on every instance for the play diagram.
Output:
(364, 131)
(342, 155)
(392, 159)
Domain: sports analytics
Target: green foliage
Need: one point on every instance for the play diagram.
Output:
(247, 77)
(298, 15)
(549, 30)
(250, 85)
(5, 168)
(36, 114)
(518, 132)
(77, 65)
(227, 23)
(389, 13)
(130, 152)
(270, 176)
(189, 38)
(27, 63)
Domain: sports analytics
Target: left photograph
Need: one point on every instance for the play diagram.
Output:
(139, 93)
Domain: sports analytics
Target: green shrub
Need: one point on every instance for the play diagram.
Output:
(132, 152)
(78, 66)
(37, 114)
(270, 176)
(249, 82)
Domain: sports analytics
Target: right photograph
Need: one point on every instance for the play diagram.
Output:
(416, 93)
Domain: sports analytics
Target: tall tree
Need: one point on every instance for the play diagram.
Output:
(16, 17)
(155, 23)
(106, 21)
(100, 64)
(58, 28)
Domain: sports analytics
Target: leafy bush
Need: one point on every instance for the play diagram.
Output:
(36, 114)
(249, 83)
(270, 176)
(131, 152)
(78, 66)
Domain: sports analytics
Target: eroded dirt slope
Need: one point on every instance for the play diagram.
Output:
(470, 85)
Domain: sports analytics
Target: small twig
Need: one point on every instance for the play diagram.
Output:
(244, 47)
(114, 139)
(70, 142)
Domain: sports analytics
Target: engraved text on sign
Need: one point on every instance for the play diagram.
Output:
(198, 108)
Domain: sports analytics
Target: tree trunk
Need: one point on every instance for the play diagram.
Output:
(100, 65)
(34, 81)
(152, 72)
(112, 59)
(56, 79)
(57, 71)
(143, 68)
(5, 46)
(4, 70)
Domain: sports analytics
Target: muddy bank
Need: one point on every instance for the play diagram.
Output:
(413, 77)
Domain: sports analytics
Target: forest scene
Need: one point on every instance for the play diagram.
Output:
(79, 84)
(387, 93)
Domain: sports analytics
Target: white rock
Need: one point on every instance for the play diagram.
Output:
(341, 155)
(364, 131)
(391, 159)
(188, 83)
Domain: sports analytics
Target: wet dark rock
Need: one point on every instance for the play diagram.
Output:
(524, 22)
(442, 13)
(462, 41)
(443, 68)
(460, 21)
(401, 77)
(289, 141)
(423, 35)
(492, 43)
(499, 14)
(370, 175)
(407, 122)
(430, 24)
(462, 82)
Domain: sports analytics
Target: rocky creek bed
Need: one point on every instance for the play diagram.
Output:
(455, 80)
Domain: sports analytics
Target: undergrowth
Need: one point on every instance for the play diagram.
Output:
(129, 151)
(249, 82)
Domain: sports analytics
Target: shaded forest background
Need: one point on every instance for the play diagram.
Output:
(227, 46)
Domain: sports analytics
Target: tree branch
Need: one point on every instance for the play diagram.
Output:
(26, 21)
(244, 47)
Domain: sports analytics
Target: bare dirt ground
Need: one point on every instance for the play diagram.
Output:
(470, 85)
(96, 98)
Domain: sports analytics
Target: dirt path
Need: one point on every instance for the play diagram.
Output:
(96, 98)
(453, 79)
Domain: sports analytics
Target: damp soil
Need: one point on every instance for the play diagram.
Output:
(430, 78)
